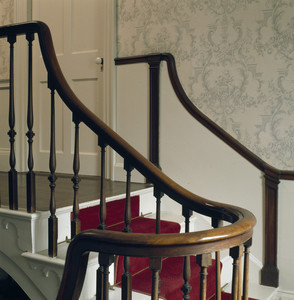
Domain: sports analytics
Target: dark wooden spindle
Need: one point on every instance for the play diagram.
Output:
(12, 174)
(204, 261)
(31, 186)
(186, 288)
(102, 288)
(216, 223)
(236, 254)
(155, 266)
(52, 221)
(247, 246)
(75, 223)
(127, 215)
(102, 206)
(158, 195)
(126, 291)
(127, 276)
(154, 68)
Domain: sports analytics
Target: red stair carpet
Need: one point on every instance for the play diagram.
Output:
(172, 268)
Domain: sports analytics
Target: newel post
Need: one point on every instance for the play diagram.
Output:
(154, 74)
(270, 271)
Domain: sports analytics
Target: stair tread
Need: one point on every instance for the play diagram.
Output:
(89, 189)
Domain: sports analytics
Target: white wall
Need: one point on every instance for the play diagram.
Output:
(235, 61)
(200, 162)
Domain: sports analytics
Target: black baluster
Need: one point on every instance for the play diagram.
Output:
(127, 276)
(127, 216)
(12, 175)
(186, 288)
(102, 288)
(76, 224)
(102, 206)
(31, 187)
(52, 221)
(158, 195)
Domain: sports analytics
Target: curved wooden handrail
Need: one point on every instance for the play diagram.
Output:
(150, 245)
(145, 245)
(110, 137)
(202, 118)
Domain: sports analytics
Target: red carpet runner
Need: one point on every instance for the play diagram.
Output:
(172, 268)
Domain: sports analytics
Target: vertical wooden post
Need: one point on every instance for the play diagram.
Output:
(155, 266)
(75, 223)
(126, 281)
(12, 174)
(216, 223)
(204, 261)
(31, 185)
(236, 253)
(247, 246)
(158, 195)
(102, 288)
(102, 206)
(154, 64)
(52, 221)
(127, 276)
(270, 272)
(127, 216)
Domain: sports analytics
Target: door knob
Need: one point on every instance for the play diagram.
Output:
(99, 60)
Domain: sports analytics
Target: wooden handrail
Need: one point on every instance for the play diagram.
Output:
(202, 118)
(110, 137)
(151, 245)
(270, 272)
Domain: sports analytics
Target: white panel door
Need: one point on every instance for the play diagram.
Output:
(77, 28)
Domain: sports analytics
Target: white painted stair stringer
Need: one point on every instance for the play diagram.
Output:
(23, 249)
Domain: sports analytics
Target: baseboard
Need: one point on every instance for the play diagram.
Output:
(283, 295)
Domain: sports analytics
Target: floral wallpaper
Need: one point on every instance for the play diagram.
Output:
(235, 59)
(6, 17)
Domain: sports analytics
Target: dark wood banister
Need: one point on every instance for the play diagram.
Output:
(152, 245)
(149, 170)
(202, 118)
(269, 273)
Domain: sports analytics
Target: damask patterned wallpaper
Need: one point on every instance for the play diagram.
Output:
(235, 59)
(6, 17)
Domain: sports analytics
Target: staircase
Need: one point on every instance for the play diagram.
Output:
(36, 249)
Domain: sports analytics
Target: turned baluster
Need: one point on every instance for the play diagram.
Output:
(102, 288)
(204, 261)
(216, 223)
(236, 254)
(12, 175)
(155, 266)
(247, 246)
(127, 215)
(52, 221)
(127, 276)
(102, 206)
(158, 195)
(31, 187)
(186, 288)
(75, 223)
